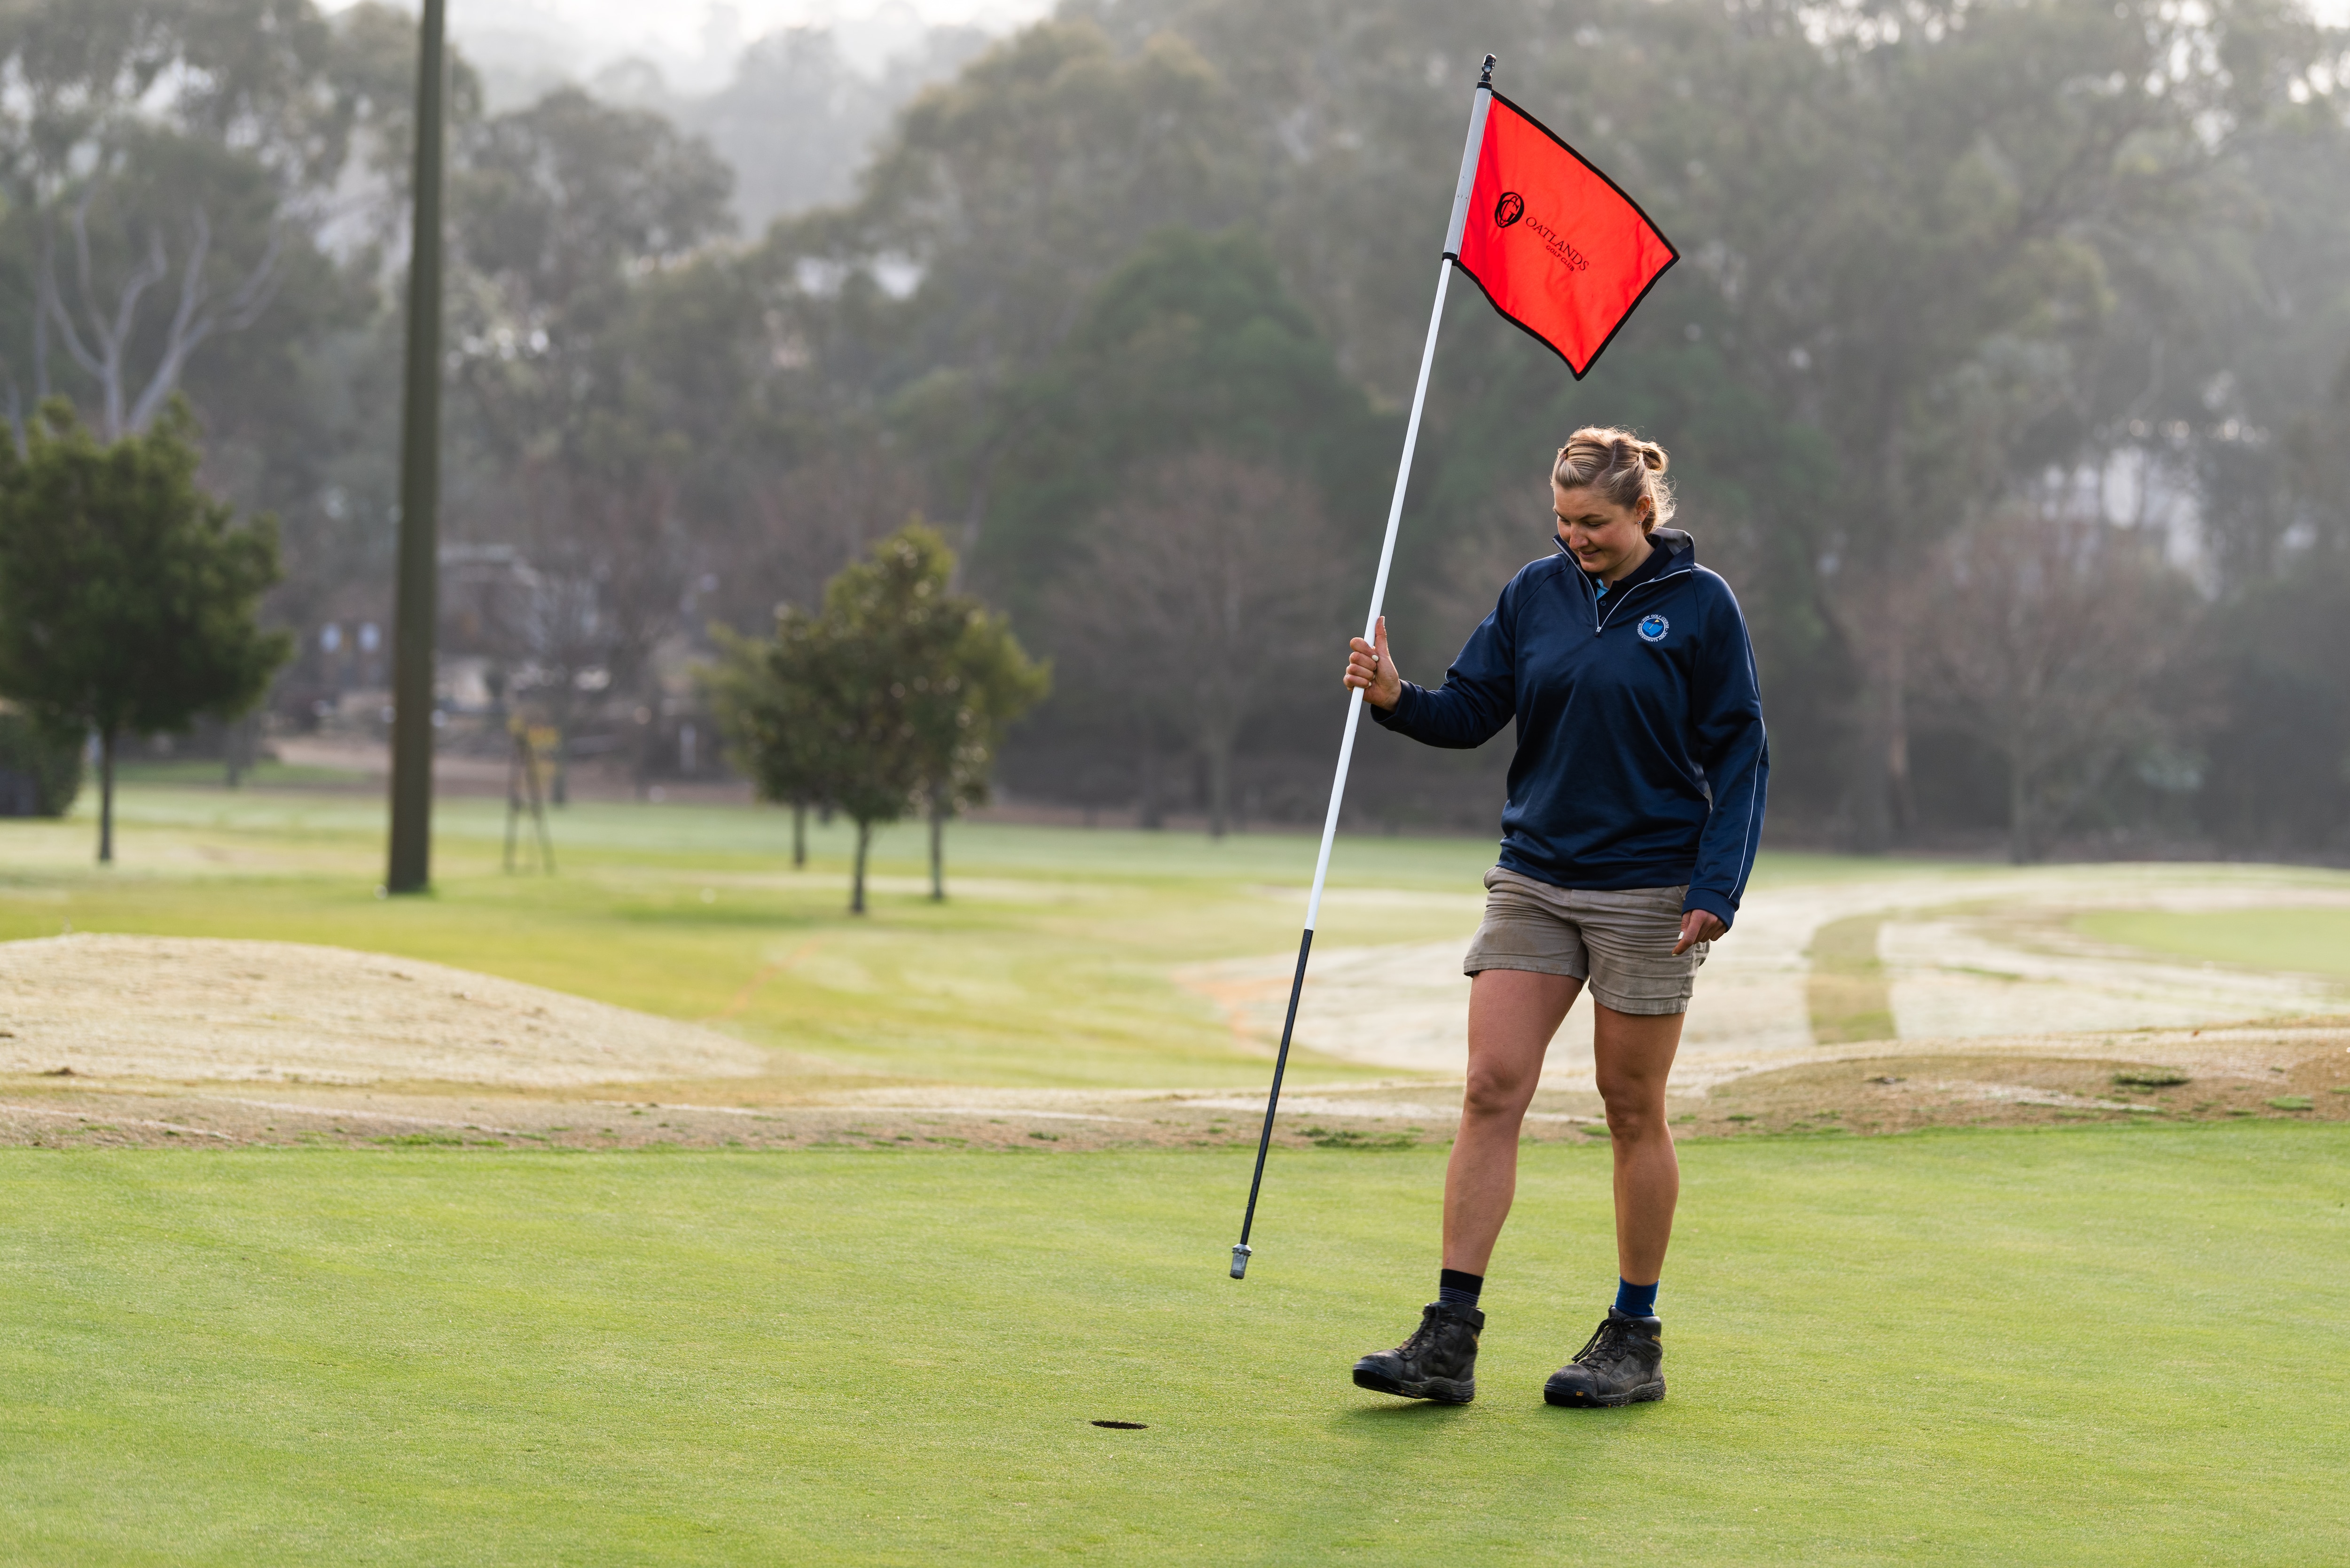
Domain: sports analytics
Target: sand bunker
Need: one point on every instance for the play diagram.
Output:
(182, 1008)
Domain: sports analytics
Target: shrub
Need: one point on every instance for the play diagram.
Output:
(41, 768)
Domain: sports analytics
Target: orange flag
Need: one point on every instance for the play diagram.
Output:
(1556, 245)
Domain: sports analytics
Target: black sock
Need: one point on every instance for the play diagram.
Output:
(1455, 1287)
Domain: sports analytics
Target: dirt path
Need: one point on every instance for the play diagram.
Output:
(2299, 1072)
(1964, 957)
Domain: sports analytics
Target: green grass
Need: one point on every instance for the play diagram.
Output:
(2096, 1347)
(1847, 992)
(2312, 942)
(265, 774)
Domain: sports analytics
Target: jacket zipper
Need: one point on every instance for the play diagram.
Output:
(1599, 621)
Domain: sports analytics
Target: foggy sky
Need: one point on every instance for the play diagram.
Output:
(693, 42)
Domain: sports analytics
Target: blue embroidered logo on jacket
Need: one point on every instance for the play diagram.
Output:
(1653, 628)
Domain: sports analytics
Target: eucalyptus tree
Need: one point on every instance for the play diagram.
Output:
(196, 193)
(998, 204)
(1946, 246)
(557, 210)
(163, 161)
(798, 118)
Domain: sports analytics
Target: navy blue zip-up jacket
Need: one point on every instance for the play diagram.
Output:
(1641, 755)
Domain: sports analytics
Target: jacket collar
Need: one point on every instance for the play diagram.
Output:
(1680, 548)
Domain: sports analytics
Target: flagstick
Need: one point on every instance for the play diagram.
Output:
(1479, 102)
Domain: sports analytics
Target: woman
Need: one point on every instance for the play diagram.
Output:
(1634, 800)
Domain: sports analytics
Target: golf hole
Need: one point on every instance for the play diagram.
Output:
(1124, 1426)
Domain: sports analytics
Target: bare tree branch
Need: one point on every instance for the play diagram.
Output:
(2046, 637)
(113, 337)
(53, 308)
(198, 316)
(1220, 574)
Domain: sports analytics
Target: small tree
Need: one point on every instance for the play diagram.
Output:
(973, 681)
(864, 655)
(127, 595)
(41, 767)
(896, 688)
(763, 695)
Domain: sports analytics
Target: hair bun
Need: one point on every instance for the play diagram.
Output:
(1618, 465)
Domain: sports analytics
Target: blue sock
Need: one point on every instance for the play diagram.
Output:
(1456, 1288)
(1635, 1300)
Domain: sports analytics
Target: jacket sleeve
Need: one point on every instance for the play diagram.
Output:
(1480, 691)
(1726, 716)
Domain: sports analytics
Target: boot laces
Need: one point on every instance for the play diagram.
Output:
(1422, 1339)
(1608, 1343)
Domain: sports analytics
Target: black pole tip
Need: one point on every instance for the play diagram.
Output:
(1485, 78)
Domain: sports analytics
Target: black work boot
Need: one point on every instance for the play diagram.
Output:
(1438, 1361)
(1623, 1364)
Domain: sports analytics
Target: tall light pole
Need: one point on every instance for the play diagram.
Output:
(419, 490)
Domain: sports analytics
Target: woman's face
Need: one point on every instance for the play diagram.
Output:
(1605, 539)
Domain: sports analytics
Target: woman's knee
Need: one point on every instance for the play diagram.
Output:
(1634, 1110)
(1495, 1092)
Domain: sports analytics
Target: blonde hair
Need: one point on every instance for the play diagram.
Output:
(1619, 467)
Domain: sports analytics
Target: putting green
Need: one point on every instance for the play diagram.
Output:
(2312, 942)
(2107, 1345)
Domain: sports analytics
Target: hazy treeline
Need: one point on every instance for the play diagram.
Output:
(796, 121)
(2007, 373)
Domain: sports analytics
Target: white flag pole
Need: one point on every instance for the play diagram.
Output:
(1480, 101)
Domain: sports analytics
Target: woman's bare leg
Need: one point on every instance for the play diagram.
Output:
(1512, 1013)
(1634, 1055)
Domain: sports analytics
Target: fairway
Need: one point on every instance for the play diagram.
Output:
(2106, 1346)
(2314, 941)
(1049, 962)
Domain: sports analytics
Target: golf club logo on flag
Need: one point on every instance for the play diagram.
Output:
(1560, 252)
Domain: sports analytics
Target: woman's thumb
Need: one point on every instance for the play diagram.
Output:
(1379, 634)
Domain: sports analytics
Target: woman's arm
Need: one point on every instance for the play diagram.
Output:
(1726, 713)
(1478, 697)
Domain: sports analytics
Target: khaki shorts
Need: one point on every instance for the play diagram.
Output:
(1619, 942)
